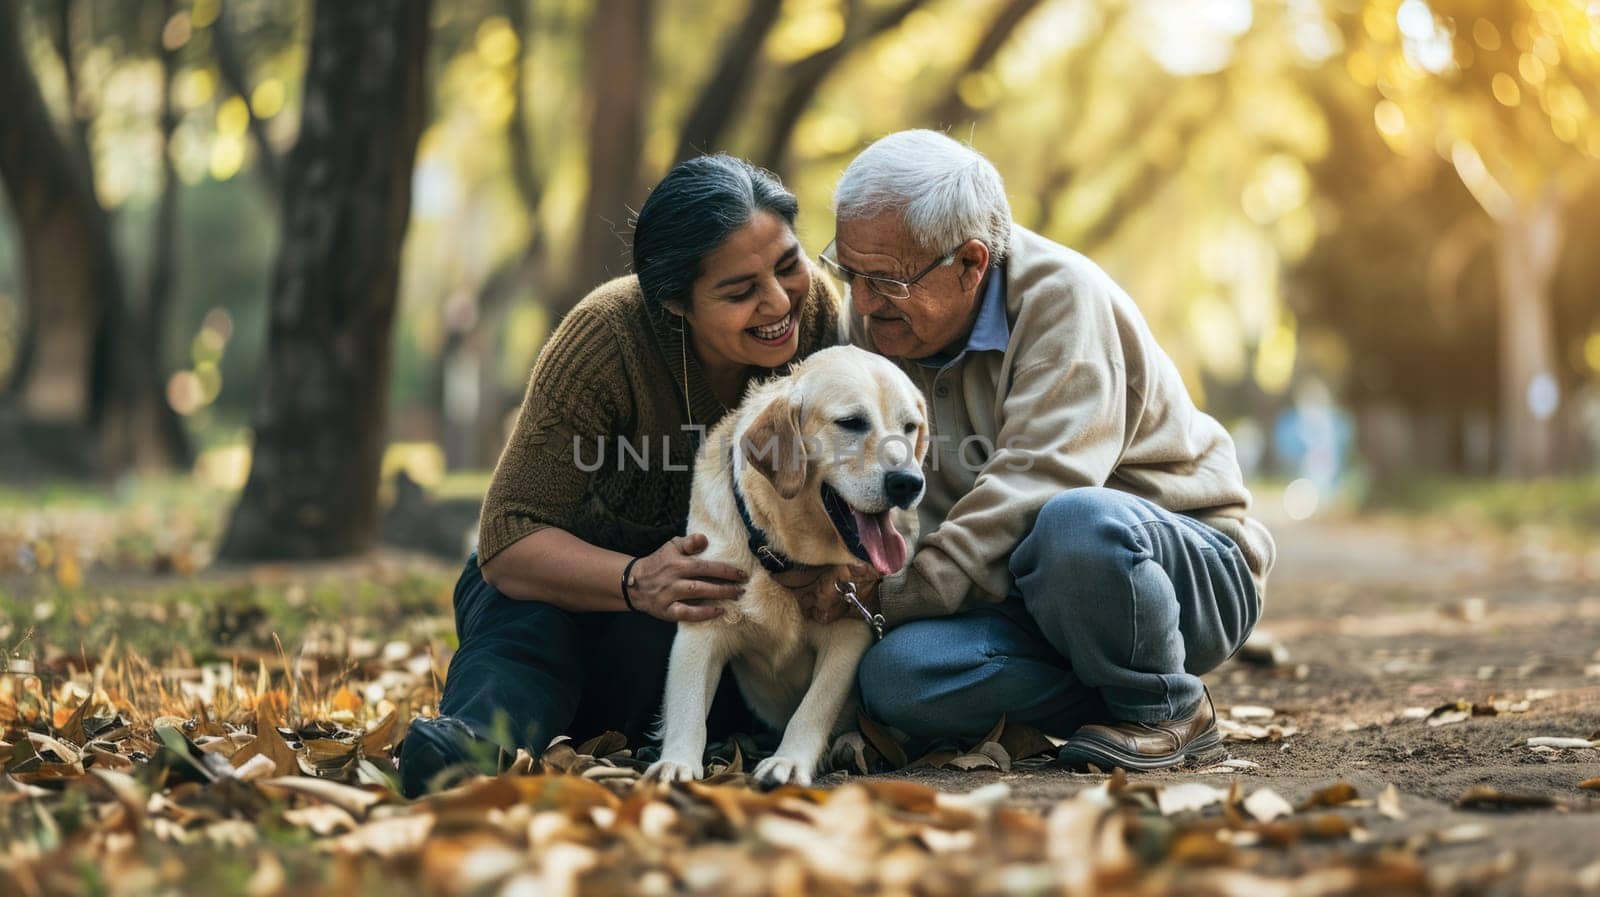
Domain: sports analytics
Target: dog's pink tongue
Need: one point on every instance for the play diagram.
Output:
(886, 548)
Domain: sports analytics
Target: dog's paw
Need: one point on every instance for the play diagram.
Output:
(781, 770)
(672, 771)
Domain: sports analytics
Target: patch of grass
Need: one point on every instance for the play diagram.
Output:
(214, 618)
(1571, 503)
(168, 491)
(462, 484)
(147, 524)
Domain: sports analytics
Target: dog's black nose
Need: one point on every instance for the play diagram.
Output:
(901, 487)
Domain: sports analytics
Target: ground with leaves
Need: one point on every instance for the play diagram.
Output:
(1426, 722)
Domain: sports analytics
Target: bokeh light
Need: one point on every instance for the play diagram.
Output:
(1301, 499)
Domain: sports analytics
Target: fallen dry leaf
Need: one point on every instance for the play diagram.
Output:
(1561, 743)
(1022, 741)
(269, 742)
(345, 699)
(1473, 609)
(934, 759)
(355, 801)
(1332, 796)
(604, 744)
(887, 747)
(1456, 712)
(1265, 805)
(988, 755)
(1236, 731)
(389, 837)
(849, 752)
(1262, 649)
(1232, 764)
(972, 762)
(1483, 797)
(1465, 833)
(1186, 796)
(1389, 803)
(256, 768)
(383, 735)
(322, 819)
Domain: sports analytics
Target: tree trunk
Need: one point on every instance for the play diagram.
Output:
(231, 66)
(320, 415)
(1527, 249)
(156, 436)
(465, 391)
(720, 99)
(806, 77)
(619, 62)
(953, 110)
(78, 112)
(54, 390)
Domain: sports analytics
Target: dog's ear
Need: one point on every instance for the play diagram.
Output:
(772, 445)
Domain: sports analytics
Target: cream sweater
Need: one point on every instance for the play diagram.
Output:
(1081, 396)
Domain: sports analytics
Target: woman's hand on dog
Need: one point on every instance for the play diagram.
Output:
(672, 584)
(822, 603)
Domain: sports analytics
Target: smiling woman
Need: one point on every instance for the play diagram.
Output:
(742, 311)
(566, 613)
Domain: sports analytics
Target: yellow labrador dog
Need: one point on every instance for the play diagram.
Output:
(808, 473)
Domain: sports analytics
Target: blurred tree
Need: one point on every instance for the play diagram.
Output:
(320, 414)
(145, 387)
(1505, 91)
(232, 66)
(86, 391)
(618, 58)
(954, 108)
(802, 79)
(52, 383)
(472, 430)
(719, 103)
(1401, 279)
(1132, 144)
(743, 99)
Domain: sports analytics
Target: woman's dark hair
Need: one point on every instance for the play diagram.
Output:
(696, 206)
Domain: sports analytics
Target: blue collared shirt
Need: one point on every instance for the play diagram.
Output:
(991, 332)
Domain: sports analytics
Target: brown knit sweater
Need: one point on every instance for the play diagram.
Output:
(607, 389)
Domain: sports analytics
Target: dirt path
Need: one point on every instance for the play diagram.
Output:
(1385, 620)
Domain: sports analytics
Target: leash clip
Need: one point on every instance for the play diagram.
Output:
(847, 591)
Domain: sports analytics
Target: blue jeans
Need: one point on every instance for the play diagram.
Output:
(527, 671)
(1117, 607)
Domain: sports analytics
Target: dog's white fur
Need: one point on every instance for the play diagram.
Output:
(796, 674)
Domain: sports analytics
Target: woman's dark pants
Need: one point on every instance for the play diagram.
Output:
(527, 671)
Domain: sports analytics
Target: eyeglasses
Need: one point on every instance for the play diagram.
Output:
(887, 287)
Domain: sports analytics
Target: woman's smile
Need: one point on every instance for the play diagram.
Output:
(775, 334)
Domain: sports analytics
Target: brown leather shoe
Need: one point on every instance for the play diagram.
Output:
(1146, 746)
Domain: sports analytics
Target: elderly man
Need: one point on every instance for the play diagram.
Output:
(1085, 552)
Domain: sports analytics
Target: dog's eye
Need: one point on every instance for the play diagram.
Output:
(854, 424)
(910, 429)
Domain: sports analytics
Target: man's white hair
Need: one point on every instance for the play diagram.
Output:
(945, 191)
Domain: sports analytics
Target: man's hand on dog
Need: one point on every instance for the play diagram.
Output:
(672, 584)
(822, 602)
